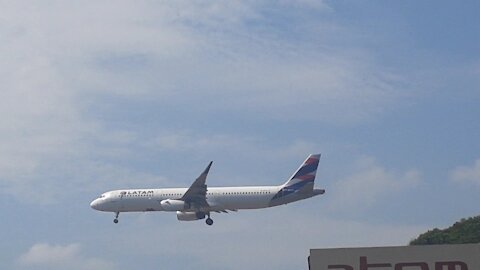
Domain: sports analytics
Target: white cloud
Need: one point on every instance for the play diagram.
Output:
(46, 256)
(213, 49)
(234, 155)
(315, 89)
(39, 120)
(467, 174)
(282, 235)
(186, 141)
(222, 145)
(189, 141)
(314, 4)
(67, 67)
(63, 62)
(369, 184)
(302, 231)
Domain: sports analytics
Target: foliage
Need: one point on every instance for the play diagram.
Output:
(464, 231)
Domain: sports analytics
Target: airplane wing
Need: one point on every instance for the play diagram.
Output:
(196, 194)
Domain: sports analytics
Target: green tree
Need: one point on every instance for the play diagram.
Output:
(465, 231)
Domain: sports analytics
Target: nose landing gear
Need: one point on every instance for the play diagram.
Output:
(116, 217)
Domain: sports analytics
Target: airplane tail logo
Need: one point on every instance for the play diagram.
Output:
(305, 174)
(302, 179)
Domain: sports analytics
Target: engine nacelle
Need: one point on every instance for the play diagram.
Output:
(173, 205)
(189, 216)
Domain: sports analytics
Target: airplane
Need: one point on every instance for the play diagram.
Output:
(198, 201)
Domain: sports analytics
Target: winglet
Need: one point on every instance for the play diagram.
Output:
(205, 172)
(200, 181)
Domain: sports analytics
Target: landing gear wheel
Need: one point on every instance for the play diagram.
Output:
(209, 221)
(116, 217)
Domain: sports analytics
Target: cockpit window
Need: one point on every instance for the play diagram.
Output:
(102, 196)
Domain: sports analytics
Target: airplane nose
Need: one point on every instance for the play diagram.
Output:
(94, 204)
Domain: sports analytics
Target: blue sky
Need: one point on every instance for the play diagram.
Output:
(117, 94)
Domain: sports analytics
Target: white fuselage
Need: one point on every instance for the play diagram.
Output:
(198, 201)
(218, 198)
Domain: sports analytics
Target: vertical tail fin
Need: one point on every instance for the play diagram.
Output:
(305, 174)
(300, 185)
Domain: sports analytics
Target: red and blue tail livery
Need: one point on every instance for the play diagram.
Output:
(305, 174)
(300, 183)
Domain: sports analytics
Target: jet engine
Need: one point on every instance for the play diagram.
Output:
(188, 216)
(173, 205)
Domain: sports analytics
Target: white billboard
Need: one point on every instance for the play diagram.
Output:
(435, 257)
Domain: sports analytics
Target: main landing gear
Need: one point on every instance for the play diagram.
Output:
(116, 217)
(209, 221)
